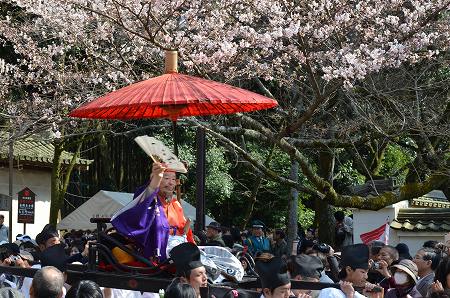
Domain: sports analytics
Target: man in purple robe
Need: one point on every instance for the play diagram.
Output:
(154, 214)
(143, 220)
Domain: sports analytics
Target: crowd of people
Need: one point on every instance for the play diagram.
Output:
(153, 226)
(361, 270)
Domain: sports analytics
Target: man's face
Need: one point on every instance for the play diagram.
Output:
(168, 184)
(2, 219)
(422, 265)
(257, 232)
(52, 241)
(280, 292)
(210, 232)
(357, 276)
(198, 279)
(74, 250)
(385, 255)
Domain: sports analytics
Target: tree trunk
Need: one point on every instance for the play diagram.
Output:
(251, 203)
(324, 212)
(293, 208)
(325, 219)
(254, 195)
(106, 181)
(60, 178)
(55, 200)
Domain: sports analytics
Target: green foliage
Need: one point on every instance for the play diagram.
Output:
(394, 162)
(218, 180)
(347, 175)
(305, 214)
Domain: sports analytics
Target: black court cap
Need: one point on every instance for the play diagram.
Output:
(272, 273)
(356, 256)
(186, 257)
(49, 231)
(306, 266)
(54, 256)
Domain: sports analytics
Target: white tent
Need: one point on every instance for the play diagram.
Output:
(105, 204)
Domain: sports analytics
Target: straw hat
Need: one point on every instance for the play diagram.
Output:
(409, 267)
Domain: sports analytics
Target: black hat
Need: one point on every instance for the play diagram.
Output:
(306, 243)
(55, 256)
(258, 224)
(356, 256)
(306, 266)
(48, 232)
(214, 225)
(272, 273)
(9, 249)
(186, 257)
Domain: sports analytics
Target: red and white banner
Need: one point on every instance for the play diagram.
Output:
(379, 234)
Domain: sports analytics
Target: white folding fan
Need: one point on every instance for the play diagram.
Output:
(158, 152)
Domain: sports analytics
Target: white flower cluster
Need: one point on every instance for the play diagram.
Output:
(76, 50)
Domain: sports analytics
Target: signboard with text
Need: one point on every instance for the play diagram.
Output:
(26, 200)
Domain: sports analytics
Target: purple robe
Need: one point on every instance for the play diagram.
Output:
(145, 223)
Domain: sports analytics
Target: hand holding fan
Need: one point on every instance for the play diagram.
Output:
(158, 152)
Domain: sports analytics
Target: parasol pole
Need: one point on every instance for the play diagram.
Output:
(171, 62)
(200, 179)
(171, 66)
(174, 133)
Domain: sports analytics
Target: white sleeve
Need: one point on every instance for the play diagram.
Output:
(25, 289)
(331, 293)
(150, 295)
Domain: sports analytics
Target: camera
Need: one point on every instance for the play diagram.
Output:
(322, 247)
(376, 265)
(13, 260)
(89, 237)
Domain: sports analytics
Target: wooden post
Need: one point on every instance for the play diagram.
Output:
(11, 170)
(200, 181)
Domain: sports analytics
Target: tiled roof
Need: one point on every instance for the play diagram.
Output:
(374, 187)
(422, 220)
(435, 195)
(37, 152)
(430, 202)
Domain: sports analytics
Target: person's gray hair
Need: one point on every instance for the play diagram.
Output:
(393, 252)
(48, 283)
(433, 255)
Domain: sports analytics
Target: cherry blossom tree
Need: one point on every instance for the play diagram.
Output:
(317, 58)
(43, 76)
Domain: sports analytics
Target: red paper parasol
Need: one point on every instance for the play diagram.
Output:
(172, 96)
